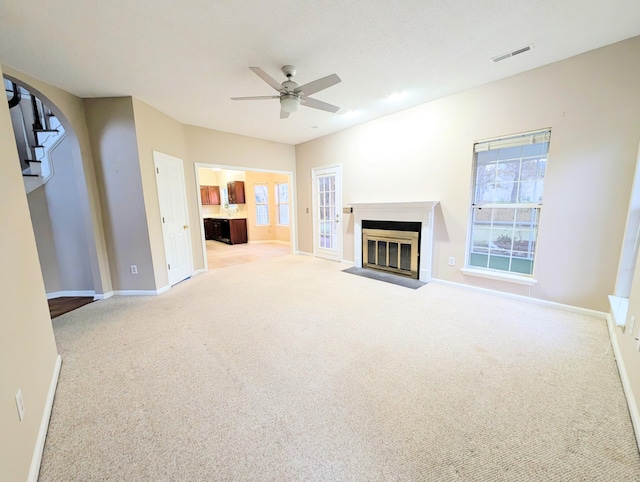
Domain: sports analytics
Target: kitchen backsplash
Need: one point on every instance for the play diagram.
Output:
(234, 210)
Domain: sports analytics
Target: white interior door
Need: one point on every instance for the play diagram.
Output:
(327, 212)
(175, 221)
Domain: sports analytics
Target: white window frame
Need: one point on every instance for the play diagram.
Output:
(281, 204)
(494, 272)
(261, 204)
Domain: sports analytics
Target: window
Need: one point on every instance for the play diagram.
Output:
(282, 204)
(262, 204)
(506, 202)
(224, 197)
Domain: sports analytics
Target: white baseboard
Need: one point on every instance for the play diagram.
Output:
(141, 292)
(36, 459)
(199, 271)
(60, 294)
(134, 292)
(527, 299)
(347, 262)
(104, 296)
(624, 377)
(164, 289)
(303, 253)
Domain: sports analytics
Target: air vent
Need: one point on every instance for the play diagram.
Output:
(512, 54)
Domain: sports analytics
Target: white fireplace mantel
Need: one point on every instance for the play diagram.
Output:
(410, 211)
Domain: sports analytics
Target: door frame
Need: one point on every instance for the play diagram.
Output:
(293, 232)
(314, 207)
(185, 202)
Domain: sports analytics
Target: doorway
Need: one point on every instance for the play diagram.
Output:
(265, 214)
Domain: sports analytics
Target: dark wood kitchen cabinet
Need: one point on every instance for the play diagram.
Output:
(237, 231)
(230, 231)
(235, 192)
(210, 195)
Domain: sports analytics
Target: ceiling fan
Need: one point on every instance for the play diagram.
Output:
(291, 95)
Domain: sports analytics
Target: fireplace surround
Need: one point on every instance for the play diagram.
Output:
(412, 212)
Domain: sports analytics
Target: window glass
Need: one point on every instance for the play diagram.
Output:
(504, 238)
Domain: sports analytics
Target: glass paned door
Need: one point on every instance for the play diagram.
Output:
(327, 213)
(327, 210)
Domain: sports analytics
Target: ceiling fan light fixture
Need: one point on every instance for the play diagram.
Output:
(289, 103)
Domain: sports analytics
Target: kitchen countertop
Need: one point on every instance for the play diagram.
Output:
(222, 216)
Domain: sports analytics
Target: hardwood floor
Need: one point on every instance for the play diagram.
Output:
(65, 304)
(220, 255)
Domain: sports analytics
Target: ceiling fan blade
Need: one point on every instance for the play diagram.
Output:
(318, 104)
(256, 97)
(283, 114)
(318, 85)
(267, 78)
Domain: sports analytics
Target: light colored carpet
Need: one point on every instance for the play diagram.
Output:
(290, 369)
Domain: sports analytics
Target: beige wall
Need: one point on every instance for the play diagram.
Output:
(113, 138)
(156, 131)
(57, 222)
(592, 104)
(69, 109)
(45, 242)
(27, 347)
(65, 213)
(221, 148)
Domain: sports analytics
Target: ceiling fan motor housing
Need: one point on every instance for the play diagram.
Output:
(288, 70)
(289, 85)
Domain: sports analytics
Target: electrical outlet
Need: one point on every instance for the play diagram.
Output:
(134, 269)
(452, 261)
(20, 404)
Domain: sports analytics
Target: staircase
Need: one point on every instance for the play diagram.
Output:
(37, 131)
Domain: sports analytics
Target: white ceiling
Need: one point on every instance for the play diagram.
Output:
(188, 58)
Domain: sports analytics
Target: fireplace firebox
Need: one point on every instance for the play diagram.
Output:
(391, 246)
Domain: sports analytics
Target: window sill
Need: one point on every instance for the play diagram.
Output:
(496, 275)
(619, 308)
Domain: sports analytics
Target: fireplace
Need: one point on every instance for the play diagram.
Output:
(386, 214)
(391, 246)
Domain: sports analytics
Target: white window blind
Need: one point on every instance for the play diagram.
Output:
(282, 203)
(513, 141)
(262, 204)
